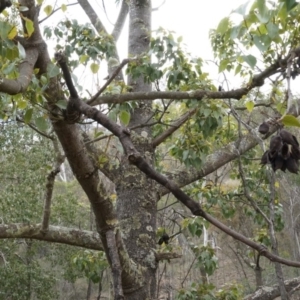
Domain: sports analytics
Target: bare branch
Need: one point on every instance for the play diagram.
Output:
(167, 256)
(49, 186)
(120, 21)
(20, 85)
(55, 234)
(88, 9)
(258, 80)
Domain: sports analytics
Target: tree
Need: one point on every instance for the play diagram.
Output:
(126, 178)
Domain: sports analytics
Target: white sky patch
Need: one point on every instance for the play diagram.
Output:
(191, 19)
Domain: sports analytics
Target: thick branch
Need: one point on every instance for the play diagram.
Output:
(258, 80)
(88, 177)
(20, 85)
(55, 234)
(88, 9)
(120, 21)
(197, 94)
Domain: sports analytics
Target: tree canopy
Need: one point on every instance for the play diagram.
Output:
(158, 180)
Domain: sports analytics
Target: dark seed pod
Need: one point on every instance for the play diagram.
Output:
(288, 138)
(277, 163)
(292, 165)
(265, 158)
(164, 239)
(275, 144)
(263, 128)
(286, 151)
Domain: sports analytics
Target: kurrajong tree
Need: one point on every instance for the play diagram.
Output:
(163, 103)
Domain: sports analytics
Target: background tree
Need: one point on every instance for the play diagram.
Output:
(131, 145)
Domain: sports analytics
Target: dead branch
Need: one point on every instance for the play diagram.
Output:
(50, 185)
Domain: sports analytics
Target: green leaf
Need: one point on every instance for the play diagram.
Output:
(290, 4)
(22, 52)
(260, 43)
(9, 69)
(234, 32)
(83, 58)
(242, 9)
(12, 33)
(238, 69)
(28, 115)
(223, 26)
(48, 10)
(289, 120)
(223, 65)
(52, 70)
(249, 105)
(5, 28)
(124, 117)
(273, 30)
(29, 26)
(62, 104)
(22, 104)
(250, 60)
(263, 11)
(41, 124)
(94, 68)
(64, 7)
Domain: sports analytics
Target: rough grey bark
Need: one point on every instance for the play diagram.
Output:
(137, 197)
(54, 234)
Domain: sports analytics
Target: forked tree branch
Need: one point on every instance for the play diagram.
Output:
(138, 160)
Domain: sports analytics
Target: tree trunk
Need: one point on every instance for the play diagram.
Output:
(137, 197)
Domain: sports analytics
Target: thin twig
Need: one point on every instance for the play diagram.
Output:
(35, 129)
(110, 79)
(55, 10)
(188, 272)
